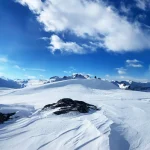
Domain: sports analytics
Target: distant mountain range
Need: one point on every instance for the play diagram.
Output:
(132, 85)
(8, 83)
(20, 83)
(74, 76)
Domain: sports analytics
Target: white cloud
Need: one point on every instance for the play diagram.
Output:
(107, 75)
(70, 70)
(3, 59)
(35, 69)
(58, 44)
(2, 74)
(34, 5)
(2, 68)
(44, 38)
(17, 67)
(30, 77)
(124, 8)
(31, 69)
(121, 70)
(92, 18)
(41, 76)
(143, 4)
(134, 63)
(124, 78)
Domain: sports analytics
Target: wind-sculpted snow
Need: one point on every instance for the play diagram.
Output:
(46, 131)
(122, 122)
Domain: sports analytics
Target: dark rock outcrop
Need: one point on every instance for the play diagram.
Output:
(5, 117)
(66, 105)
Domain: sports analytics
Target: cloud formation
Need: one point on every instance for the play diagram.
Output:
(87, 18)
(121, 70)
(134, 63)
(58, 44)
(143, 4)
(30, 77)
(3, 59)
(70, 70)
(30, 69)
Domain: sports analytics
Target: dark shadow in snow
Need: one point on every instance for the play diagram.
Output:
(116, 140)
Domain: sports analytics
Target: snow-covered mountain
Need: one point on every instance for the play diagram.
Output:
(121, 122)
(132, 85)
(20, 83)
(74, 76)
(8, 83)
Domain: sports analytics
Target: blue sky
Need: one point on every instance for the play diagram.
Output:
(40, 39)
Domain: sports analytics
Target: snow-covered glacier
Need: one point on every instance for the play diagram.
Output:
(121, 123)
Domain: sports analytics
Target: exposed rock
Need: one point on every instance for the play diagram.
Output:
(66, 105)
(5, 117)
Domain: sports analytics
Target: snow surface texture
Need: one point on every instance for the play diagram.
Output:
(123, 122)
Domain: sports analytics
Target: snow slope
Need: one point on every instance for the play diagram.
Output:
(122, 123)
(21, 83)
(31, 82)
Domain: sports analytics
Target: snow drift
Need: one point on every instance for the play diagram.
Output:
(122, 122)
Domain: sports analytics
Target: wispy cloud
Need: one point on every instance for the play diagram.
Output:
(30, 77)
(17, 67)
(124, 8)
(41, 76)
(121, 70)
(134, 63)
(71, 47)
(2, 74)
(35, 69)
(70, 70)
(125, 77)
(143, 4)
(31, 69)
(3, 59)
